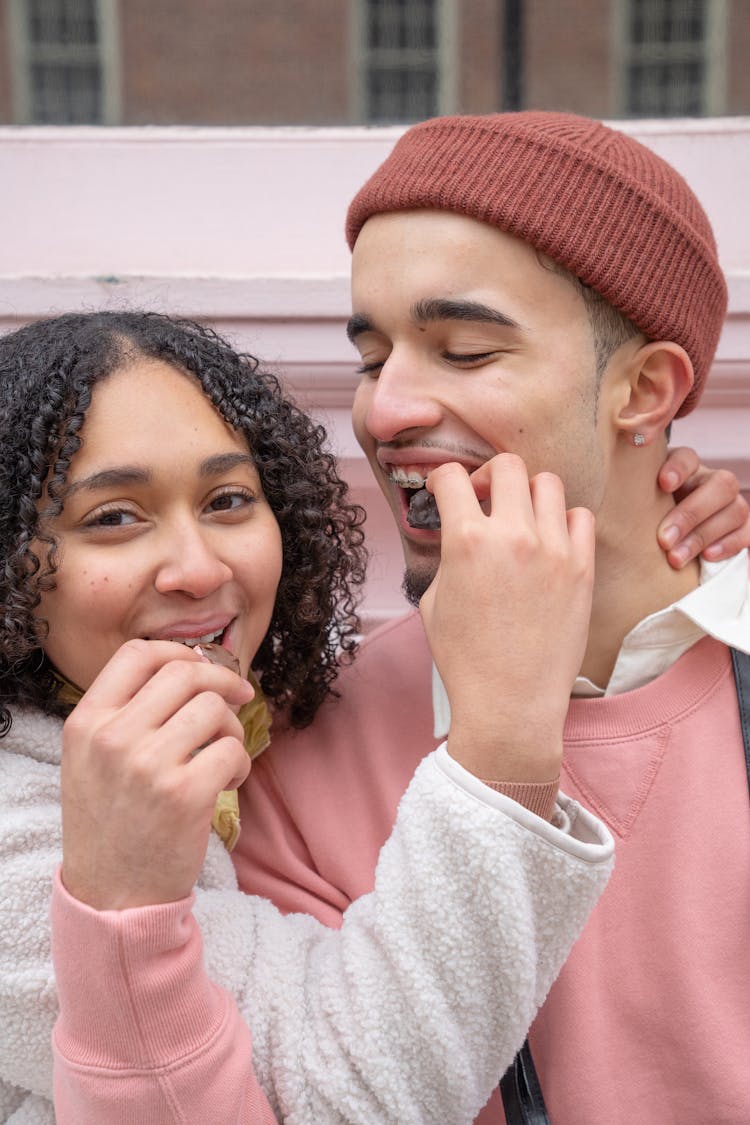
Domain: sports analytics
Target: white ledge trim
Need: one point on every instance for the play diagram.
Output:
(324, 134)
(252, 297)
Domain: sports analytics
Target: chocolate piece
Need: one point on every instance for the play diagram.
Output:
(218, 655)
(423, 511)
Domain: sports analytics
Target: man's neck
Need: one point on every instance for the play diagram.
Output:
(633, 580)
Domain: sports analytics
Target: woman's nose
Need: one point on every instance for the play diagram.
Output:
(191, 564)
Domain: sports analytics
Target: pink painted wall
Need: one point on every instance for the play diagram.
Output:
(243, 228)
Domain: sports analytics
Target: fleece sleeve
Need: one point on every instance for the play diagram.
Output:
(409, 1013)
(30, 849)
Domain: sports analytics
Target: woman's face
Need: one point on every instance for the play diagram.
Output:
(165, 531)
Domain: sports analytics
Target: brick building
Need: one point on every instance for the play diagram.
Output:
(315, 62)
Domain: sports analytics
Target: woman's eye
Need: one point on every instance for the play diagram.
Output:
(231, 501)
(111, 517)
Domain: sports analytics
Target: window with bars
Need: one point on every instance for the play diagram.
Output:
(401, 58)
(62, 61)
(673, 54)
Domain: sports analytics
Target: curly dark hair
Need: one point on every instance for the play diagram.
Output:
(47, 372)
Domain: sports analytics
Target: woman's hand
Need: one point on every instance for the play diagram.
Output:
(507, 614)
(137, 797)
(711, 517)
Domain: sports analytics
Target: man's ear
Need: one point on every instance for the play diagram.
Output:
(660, 375)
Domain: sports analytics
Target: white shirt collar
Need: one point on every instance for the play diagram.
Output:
(719, 607)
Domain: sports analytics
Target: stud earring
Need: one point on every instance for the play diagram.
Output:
(639, 439)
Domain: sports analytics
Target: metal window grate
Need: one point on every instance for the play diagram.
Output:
(64, 61)
(63, 22)
(401, 59)
(667, 58)
(396, 94)
(668, 21)
(402, 25)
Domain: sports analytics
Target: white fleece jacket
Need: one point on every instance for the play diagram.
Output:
(409, 1014)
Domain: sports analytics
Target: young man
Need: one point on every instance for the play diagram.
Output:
(541, 285)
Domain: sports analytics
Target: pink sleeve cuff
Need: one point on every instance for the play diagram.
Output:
(119, 972)
(538, 797)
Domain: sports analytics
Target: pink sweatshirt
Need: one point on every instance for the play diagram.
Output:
(156, 1002)
(649, 1020)
(150, 963)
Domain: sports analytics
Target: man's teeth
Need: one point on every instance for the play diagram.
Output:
(404, 479)
(191, 642)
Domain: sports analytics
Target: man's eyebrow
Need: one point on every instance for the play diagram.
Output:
(442, 308)
(438, 308)
(357, 324)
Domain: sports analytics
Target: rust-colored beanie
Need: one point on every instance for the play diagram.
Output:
(599, 203)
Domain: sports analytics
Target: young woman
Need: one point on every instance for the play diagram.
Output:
(163, 503)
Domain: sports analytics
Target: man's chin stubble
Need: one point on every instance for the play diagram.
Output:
(415, 583)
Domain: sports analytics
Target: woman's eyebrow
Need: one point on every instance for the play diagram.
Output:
(122, 475)
(224, 463)
(109, 478)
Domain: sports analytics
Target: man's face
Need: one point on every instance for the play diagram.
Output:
(470, 346)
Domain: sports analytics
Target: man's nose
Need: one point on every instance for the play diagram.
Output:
(403, 397)
(191, 563)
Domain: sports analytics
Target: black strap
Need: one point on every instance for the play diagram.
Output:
(521, 1092)
(741, 666)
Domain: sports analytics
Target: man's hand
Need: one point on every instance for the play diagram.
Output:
(507, 614)
(711, 518)
(137, 797)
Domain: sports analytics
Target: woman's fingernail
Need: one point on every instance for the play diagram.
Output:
(670, 535)
(681, 554)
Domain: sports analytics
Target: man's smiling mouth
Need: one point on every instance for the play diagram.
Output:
(422, 511)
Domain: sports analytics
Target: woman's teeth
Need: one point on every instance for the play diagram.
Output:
(191, 642)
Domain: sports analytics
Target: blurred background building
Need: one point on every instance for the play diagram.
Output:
(342, 62)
